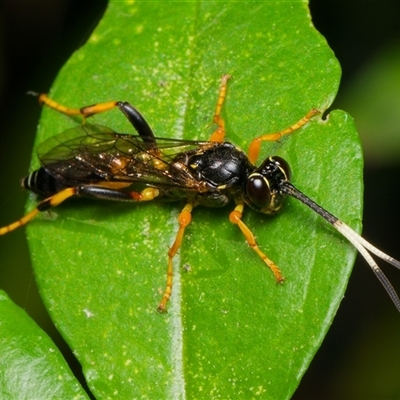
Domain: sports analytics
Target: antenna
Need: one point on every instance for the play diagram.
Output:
(353, 237)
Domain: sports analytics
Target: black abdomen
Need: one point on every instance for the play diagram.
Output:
(42, 183)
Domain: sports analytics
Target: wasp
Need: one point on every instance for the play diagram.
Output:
(96, 162)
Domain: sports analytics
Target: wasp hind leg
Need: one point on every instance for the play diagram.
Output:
(114, 191)
(236, 218)
(44, 205)
(131, 113)
(97, 192)
(85, 112)
(184, 219)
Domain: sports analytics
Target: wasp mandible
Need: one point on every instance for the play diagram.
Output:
(96, 162)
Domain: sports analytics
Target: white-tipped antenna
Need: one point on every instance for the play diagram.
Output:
(353, 237)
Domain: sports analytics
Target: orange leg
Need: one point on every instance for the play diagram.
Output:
(147, 194)
(236, 218)
(85, 112)
(112, 193)
(184, 219)
(44, 205)
(254, 149)
(131, 113)
(219, 133)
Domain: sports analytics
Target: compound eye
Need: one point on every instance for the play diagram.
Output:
(258, 191)
(283, 165)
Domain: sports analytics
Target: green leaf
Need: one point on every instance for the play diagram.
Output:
(230, 332)
(31, 367)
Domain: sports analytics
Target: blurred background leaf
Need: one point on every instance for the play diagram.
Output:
(31, 366)
(372, 98)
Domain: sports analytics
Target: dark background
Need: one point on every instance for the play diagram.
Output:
(360, 358)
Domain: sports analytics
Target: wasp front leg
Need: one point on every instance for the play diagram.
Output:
(254, 148)
(236, 218)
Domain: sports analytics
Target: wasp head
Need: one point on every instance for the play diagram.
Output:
(263, 187)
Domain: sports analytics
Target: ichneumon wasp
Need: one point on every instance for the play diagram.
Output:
(96, 162)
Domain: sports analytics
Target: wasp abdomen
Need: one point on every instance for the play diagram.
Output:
(41, 183)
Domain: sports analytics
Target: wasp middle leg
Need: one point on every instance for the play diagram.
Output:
(219, 134)
(184, 219)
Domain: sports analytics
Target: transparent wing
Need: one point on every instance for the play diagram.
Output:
(92, 153)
